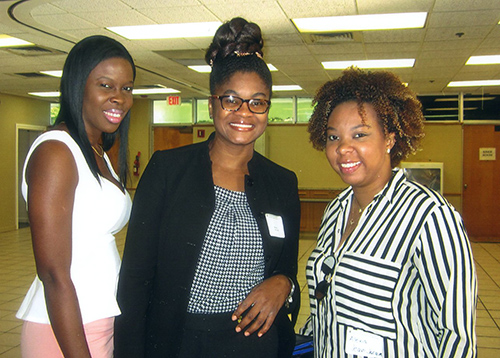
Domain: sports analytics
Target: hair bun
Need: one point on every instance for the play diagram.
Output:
(235, 37)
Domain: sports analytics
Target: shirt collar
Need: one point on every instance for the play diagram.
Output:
(388, 192)
(390, 189)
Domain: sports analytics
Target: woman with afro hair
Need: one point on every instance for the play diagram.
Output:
(392, 274)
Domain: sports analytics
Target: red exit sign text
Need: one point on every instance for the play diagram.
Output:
(174, 100)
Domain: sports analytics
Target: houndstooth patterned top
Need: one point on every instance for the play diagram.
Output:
(231, 261)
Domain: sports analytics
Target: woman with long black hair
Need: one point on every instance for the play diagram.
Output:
(76, 202)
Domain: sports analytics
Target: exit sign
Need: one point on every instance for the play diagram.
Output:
(174, 100)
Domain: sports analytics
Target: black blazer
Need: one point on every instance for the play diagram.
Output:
(173, 205)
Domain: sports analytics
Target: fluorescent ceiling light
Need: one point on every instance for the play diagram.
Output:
(407, 20)
(167, 31)
(483, 60)
(208, 69)
(474, 83)
(143, 91)
(52, 73)
(287, 88)
(45, 94)
(201, 68)
(135, 92)
(272, 68)
(395, 63)
(9, 41)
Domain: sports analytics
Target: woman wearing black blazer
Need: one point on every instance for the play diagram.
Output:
(210, 262)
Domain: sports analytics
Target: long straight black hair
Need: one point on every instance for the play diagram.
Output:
(81, 60)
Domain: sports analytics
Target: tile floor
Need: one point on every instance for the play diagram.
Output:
(17, 270)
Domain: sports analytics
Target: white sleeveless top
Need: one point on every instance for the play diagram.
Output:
(99, 211)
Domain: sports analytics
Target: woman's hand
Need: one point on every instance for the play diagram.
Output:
(263, 304)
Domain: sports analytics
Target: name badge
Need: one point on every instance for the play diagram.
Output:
(275, 225)
(364, 344)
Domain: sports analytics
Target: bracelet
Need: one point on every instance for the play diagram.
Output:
(289, 299)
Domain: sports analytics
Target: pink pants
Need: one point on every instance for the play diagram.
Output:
(38, 340)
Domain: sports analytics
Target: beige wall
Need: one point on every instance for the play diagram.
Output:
(288, 145)
(443, 143)
(140, 136)
(25, 111)
(21, 111)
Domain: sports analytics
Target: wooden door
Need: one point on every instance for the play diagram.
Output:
(172, 137)
(481, 199)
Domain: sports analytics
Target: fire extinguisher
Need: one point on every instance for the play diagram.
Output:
(137, 164)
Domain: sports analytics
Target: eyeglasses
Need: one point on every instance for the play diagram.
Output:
(327, 269)
(233, 104)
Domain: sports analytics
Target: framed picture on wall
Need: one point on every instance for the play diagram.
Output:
(429, 174)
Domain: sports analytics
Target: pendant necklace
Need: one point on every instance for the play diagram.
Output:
(360, 211)
(96, 151)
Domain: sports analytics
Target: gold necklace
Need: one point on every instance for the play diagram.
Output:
(96, 152)
(352, 221)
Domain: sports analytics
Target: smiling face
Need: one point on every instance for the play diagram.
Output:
(107, 97)
(242, 127)
(357, 149)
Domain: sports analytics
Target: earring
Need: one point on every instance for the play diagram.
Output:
(388, 150)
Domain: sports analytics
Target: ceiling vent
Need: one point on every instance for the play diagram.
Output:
(184, 57)
(33, 51)
(149, 87)
(332, 37)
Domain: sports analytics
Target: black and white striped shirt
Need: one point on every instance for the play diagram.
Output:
(405, 274)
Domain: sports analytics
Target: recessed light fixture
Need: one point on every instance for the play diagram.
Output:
(167, 31)
(144, 91)
(287, 88)
(474, 83)
(484, 60)
(208, 69)
(9, 41)
(394, 63)
(52, 73)
(45, 94)
(406, 20)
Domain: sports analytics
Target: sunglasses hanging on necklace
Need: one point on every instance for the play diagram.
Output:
(327, 268)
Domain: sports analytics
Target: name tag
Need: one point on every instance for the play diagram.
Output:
(275, 225)
(364, 344)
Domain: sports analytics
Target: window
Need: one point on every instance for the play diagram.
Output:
(54, 111)
(173, 114)
(440, 107)
(202, 114)
(304, 109)
(481, 107)
(288, 110)
(282, 110)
